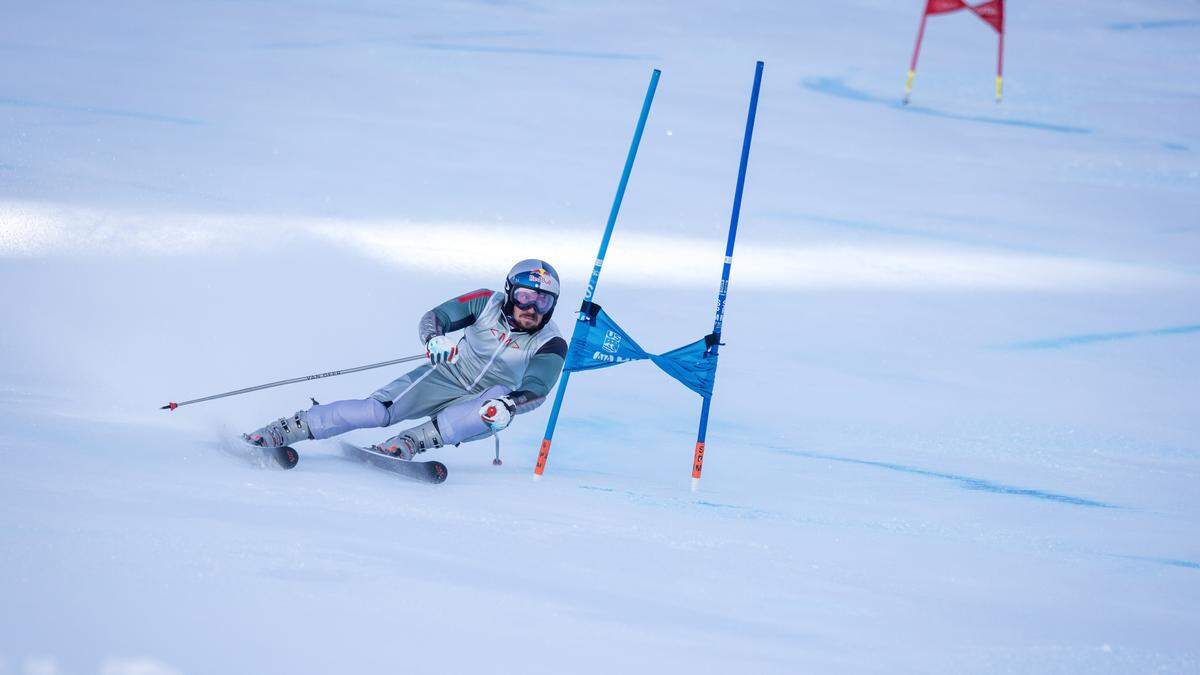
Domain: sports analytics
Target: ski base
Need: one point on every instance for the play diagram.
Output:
(426, 472)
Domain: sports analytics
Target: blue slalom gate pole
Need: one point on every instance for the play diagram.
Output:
(544, 452)
(698, 460)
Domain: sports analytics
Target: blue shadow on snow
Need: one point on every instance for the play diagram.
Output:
(965, 482)
(106, 112)
(1154, 25)
(1173, 562)
(1074, 340)
(833, 86)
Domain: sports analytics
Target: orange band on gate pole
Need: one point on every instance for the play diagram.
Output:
(543, 455)
(698, 461)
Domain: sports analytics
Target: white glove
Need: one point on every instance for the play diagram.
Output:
(497, 413)
(441, 349)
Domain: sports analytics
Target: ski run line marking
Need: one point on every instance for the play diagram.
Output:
(1089, 338)
(965, 482)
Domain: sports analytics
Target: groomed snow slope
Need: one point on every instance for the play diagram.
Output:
(955, 427)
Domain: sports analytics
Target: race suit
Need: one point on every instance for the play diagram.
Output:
(494, 360)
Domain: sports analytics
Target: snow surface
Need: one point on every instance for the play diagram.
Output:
(955, 427)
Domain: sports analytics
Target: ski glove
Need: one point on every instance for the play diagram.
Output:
(497, 413)
(441, 349)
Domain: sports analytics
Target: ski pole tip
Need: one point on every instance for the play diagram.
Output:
(170, 406)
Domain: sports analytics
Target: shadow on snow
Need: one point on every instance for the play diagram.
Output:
(1075, 340)
(833, 86)
(1154, 25)
(965, 482)
(94, 110)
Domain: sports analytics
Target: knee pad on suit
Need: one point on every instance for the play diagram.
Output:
(461, 422)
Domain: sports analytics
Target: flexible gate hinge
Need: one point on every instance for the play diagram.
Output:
(589, 309)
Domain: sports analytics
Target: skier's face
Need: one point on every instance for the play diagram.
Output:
(526, 319)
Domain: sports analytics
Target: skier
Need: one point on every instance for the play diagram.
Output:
(508, 359)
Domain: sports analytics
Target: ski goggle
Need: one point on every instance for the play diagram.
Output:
(528, 298)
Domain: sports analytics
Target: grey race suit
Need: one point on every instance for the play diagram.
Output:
(493, 361)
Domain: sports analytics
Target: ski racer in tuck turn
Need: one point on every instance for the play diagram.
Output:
(508, 359)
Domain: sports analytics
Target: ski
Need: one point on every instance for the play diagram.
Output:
(426, 472)
(286, 457)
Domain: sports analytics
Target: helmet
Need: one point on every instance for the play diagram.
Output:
(531, 283)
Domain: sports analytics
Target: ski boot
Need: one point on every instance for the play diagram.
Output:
(281, 433)
(409, 442)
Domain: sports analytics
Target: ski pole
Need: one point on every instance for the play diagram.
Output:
(332, 373)
(457, 375)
